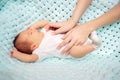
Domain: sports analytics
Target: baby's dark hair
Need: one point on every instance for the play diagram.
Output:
(22, 46)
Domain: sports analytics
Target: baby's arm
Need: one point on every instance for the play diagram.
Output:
(23, 57)
(39, 24)
(80, 51)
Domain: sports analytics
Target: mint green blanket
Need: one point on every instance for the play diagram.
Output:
(102, 64)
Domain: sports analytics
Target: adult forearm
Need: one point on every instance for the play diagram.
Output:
(107, 18)
(79, 10)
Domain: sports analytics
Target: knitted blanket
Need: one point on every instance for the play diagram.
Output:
(102, 64)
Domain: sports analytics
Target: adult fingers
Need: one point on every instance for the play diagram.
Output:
(68, 47)
(66, 35)
(64, 42)
(78, 42)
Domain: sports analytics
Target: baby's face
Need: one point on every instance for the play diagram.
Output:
(30, 35)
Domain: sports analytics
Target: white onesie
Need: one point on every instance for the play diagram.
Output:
(47, 47)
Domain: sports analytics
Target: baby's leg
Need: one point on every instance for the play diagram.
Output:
(80, 51)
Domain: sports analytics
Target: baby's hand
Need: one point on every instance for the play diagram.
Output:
(30, 27)
(13, 52)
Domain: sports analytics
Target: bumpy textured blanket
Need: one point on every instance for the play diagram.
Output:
(102, 64)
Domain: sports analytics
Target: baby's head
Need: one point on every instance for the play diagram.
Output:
(27, 40)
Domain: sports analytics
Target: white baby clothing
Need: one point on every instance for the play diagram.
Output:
(47, 47)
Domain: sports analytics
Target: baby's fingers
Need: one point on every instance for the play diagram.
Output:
(47, 27)
(14, 48)
(11, 54)
(59, 30)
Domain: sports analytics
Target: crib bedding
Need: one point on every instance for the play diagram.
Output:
(102, 64)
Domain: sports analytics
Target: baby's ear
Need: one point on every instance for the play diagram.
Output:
(33, 47)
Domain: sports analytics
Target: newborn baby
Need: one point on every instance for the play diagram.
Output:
(32, 44)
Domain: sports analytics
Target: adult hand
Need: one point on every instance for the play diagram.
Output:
(61, 27)
(76, 36)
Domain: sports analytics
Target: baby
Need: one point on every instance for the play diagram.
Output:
(33, 44)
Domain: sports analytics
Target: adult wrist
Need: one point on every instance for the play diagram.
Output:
(72, 21)
(94, 24)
